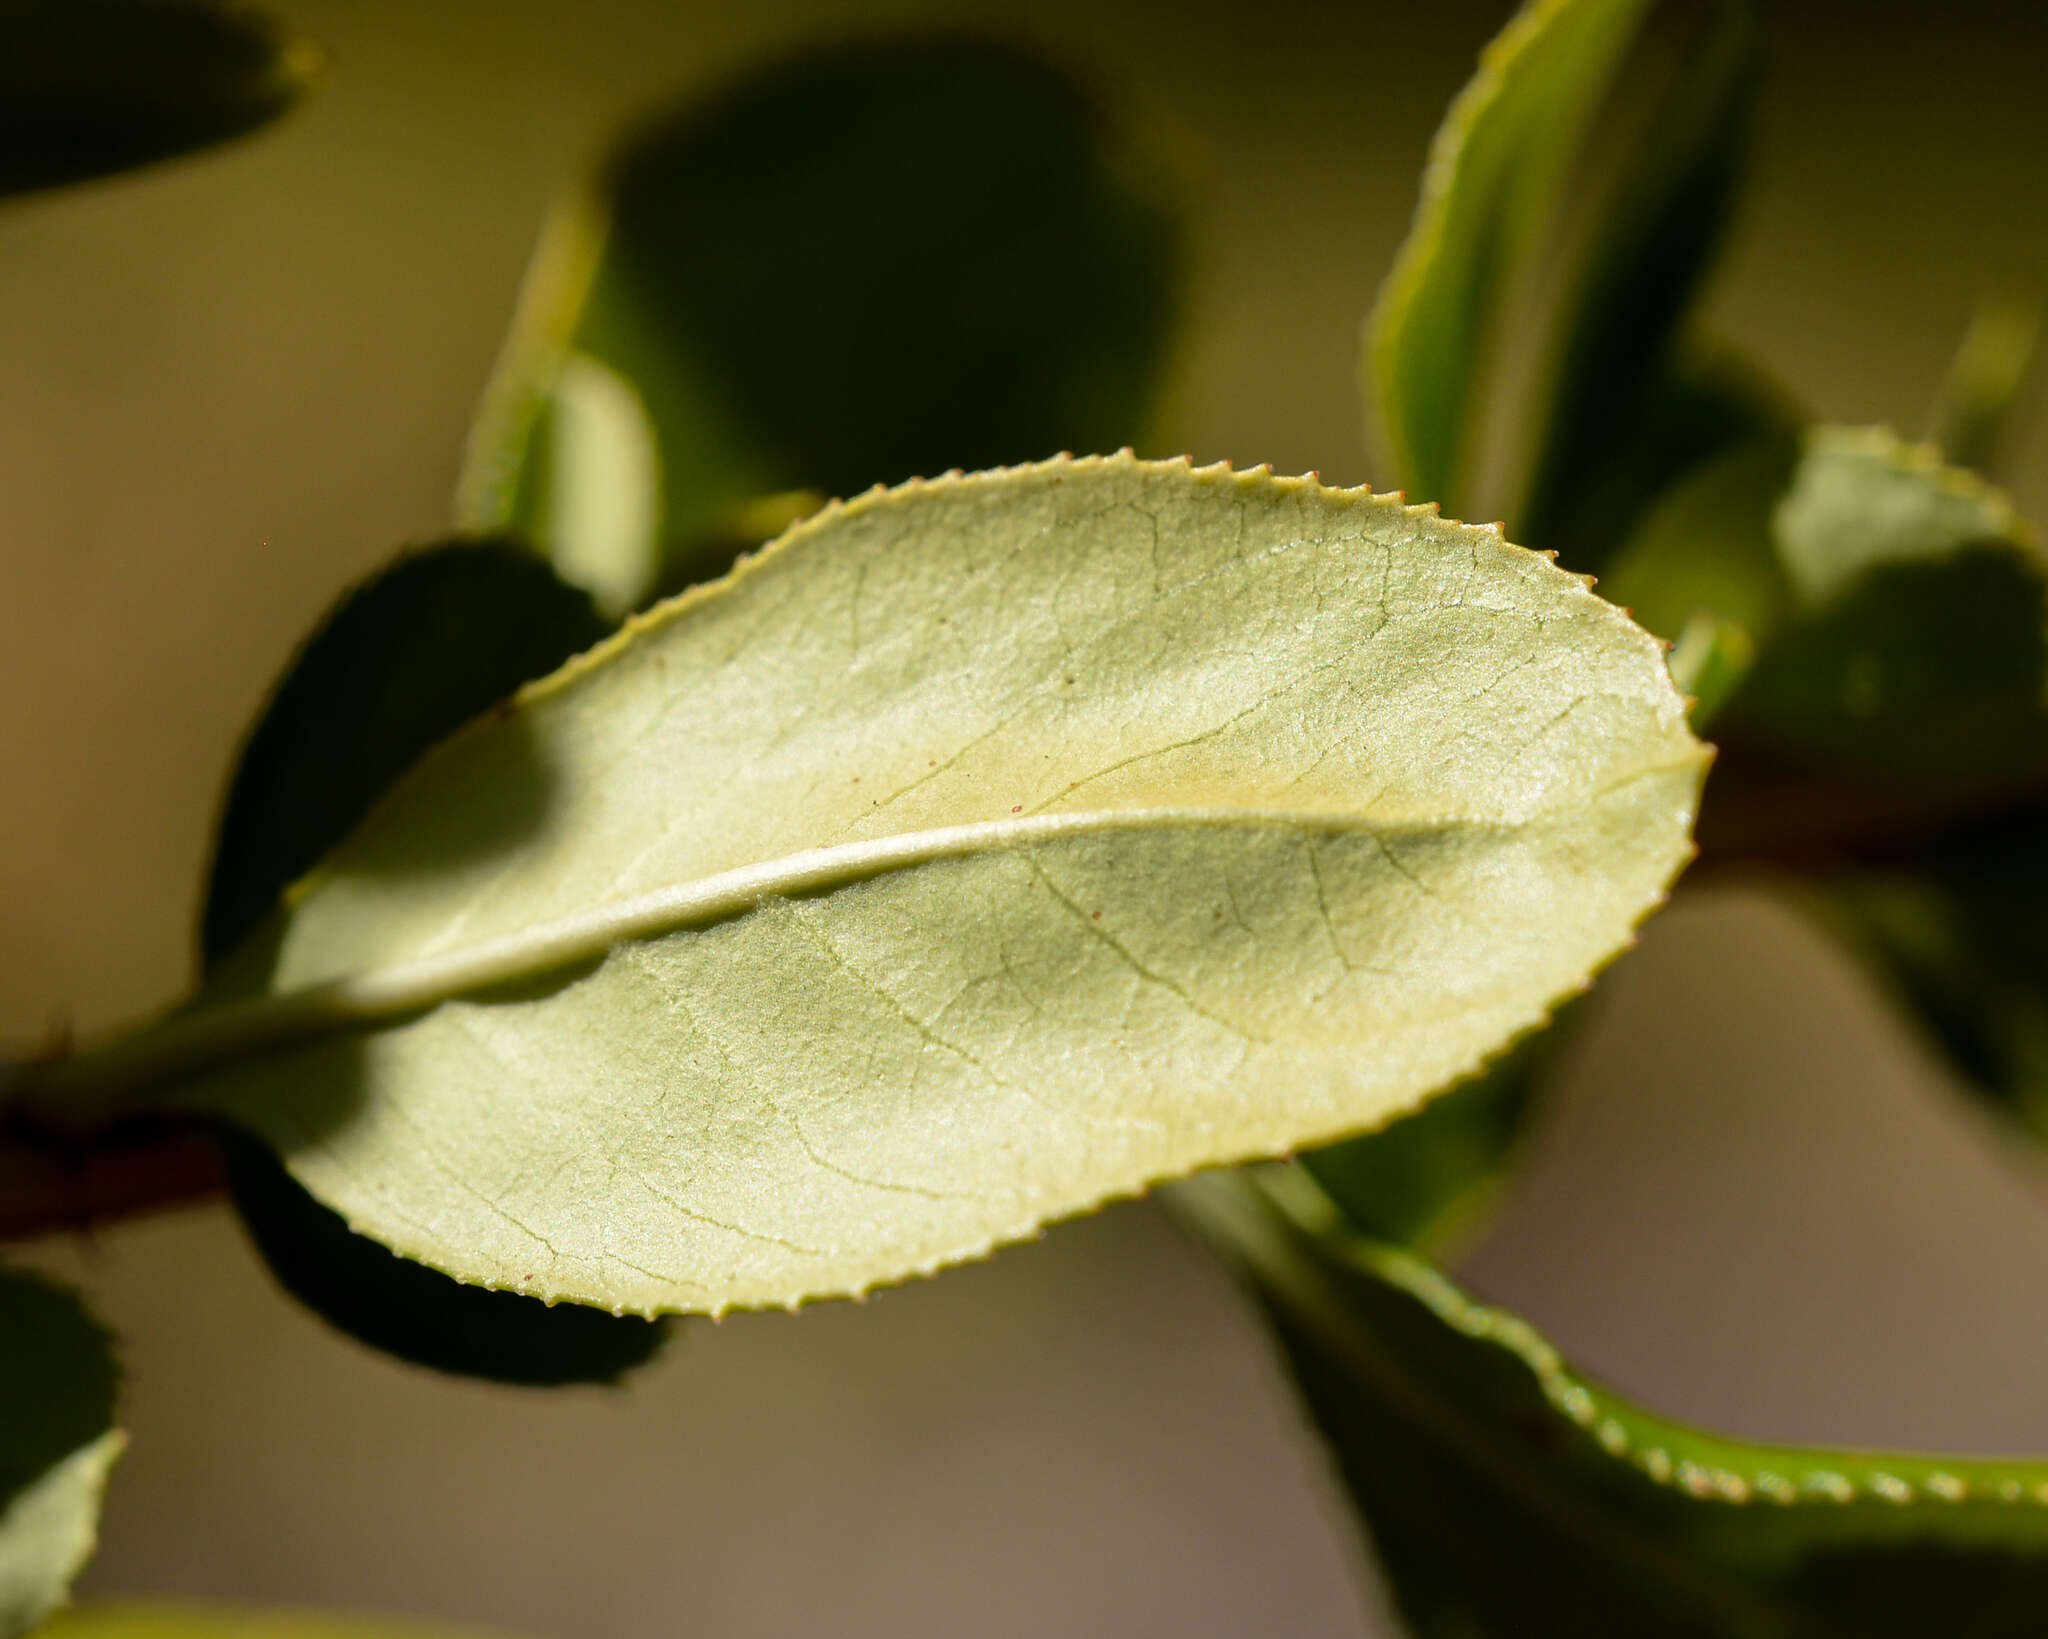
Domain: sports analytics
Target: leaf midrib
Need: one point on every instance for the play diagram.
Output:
(90, 1087)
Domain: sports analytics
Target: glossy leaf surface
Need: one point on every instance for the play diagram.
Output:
(1494, 174)
(1508, 1495)
(402, 663)
(873, 262)
(89, 87)
(57, 1444)
(986, 849)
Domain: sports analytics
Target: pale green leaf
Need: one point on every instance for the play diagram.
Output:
(1510, 1496)
(57, 1444)
(1498, 162)
(986, 849)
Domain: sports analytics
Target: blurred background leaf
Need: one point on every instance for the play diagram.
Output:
(89, 87)
(1428, 1180)
(1905, 674)
(1988, 383)
(1632, 405)
(866, 263)
(401, 663)
(1489, 196)
(57, 1443)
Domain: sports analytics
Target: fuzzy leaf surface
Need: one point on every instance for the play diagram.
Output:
(1509, 1495)
(875, 261)
(89, 87)
(986, 849)
(57, 1443)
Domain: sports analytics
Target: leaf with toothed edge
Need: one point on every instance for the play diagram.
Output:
(985, 849)
(1509, 1496)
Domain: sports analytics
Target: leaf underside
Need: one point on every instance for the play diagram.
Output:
(987, 849)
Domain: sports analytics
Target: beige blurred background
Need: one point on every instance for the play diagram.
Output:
(229, 387)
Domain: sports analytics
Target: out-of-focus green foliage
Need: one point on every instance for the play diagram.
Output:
(873, 262)
(93, 86)
(1428, 1180)
(1488, 200)
(1511, 1497)
(998, 845)
(1988, 382)
(1635, 403)
(1864, 627)
(400, 664)
(57, 1443)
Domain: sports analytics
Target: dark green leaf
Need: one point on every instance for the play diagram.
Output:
(869, 263)
(1912, 660)
(1706, 548)
(1510, 1496)
(93, 86)
(1627, 415)
(1488, 198)
(57, 1443)
(417, 1313)
(1956, 928)
(402, 663)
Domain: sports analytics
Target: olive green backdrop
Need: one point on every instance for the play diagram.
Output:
(231, 386)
